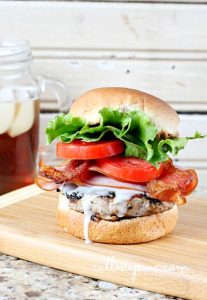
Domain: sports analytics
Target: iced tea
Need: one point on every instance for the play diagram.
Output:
(19, 132)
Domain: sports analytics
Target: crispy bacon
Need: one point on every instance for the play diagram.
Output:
(173, 185)
(165, 192)
(55, 175)
(70, 172)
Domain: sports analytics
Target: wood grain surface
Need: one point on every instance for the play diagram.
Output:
(156, 47)
(174, 265)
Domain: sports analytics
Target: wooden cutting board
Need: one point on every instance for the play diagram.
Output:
(174, 265)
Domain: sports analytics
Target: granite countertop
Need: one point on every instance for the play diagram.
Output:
(21, 280)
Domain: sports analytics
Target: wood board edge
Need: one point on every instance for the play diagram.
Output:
(19, 195)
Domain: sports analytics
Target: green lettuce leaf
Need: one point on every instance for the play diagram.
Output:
(134, 128)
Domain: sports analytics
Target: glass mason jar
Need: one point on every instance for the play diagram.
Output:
(19, 113)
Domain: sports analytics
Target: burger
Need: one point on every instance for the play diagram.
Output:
(117, 183)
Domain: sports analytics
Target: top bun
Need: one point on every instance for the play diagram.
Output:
(160, 113)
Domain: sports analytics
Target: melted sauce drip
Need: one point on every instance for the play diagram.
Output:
(87, 208)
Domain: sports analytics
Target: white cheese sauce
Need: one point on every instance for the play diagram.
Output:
(87, 208)
(89, 193)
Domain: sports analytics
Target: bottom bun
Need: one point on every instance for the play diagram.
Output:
(126, 231)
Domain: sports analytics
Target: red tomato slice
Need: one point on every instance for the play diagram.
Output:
(89, 150)
(128, 169)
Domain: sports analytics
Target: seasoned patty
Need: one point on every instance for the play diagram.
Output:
(108, 208)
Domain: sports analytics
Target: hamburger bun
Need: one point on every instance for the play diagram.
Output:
(125, 231)
(159, 112)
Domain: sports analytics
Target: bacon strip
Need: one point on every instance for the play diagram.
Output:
(51, 178)
(53, 174)
(172, 186)
(165, 192)
(71, 172)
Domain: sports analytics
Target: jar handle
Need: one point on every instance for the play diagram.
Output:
(58, 88)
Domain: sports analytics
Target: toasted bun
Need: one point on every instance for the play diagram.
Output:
(160, 113)
(126, 231)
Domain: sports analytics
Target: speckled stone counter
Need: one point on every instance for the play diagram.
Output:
(21, 280)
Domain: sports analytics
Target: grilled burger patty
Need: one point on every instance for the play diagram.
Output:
(106, 206)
